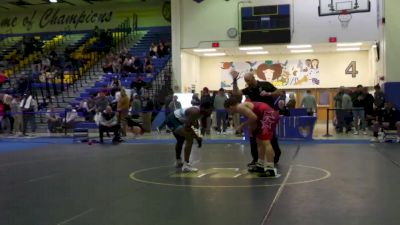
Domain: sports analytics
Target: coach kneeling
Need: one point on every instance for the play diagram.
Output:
(109, 122)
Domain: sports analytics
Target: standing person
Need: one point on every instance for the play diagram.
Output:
(206, 123)
(379, 97)
(308, 101)
(261, 121)
(347, 106)
(123, 110)
(29, 107)
(292, 101)
(359, 113)
(195, 100)
(368, 107)
(148, 107)
(181, 122)
(258, 91)
(339, 111)
(16, 111)
(221, 112)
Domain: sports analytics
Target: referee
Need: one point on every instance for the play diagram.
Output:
(258, 91)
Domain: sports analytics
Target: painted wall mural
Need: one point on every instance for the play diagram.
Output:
(286, 74)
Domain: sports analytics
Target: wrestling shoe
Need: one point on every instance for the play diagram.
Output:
(269, 172)
(178, 163)
(187, 168)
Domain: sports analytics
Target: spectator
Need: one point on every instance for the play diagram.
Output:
(16, 112)
(153, 50)
(4, 79)
(45, 64)
(138, 84)
(29, 107)
(1, 115)
(137, 65)
(339, 112)
(148, 108)
(136, 108)
(206, 121)
(221, 112)
(90, 109)
(174, 104)
(347, 106)
(292, 101)
(386, 119)
(53, 119)
(309, 103)
(379, 97)
(123, 110)
(359, 113)
(109, 122)
(147, 66)
(195, 100)
(70, 117)
(368, 106)
(283, 110)
(101, 102)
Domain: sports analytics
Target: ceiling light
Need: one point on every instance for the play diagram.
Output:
(298, 46)
(374, 46)
(347, 49)
(215, 54)
(53, 1)
(205, 50)
(257, 53)
(302, 51)
(348, 44)
(250, 48)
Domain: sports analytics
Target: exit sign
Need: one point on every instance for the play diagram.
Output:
(215, 44)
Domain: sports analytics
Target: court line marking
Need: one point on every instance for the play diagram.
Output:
(134, 178)
(277, 195)
(41, 178)
(201, 175)
(237, 175)
(76, 217)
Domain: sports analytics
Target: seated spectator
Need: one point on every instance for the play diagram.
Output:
(70, 117)
(137, 65)
(386, 119)
(116, 64)
(147, 66)
(283, 110)
(138, 84)
(153, 51)
(53, 119)
(160, 50)
(4, 79)
(108, 66)
(81, 108)
(45, 64)
(90, 109)
(109, 122)
(127, 64)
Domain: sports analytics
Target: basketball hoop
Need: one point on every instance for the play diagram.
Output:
(344, 18)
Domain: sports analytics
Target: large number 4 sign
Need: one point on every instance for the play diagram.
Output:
(352, 69)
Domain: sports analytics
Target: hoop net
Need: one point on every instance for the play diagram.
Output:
(344, 18)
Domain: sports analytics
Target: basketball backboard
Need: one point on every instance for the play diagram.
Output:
(335, 7)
